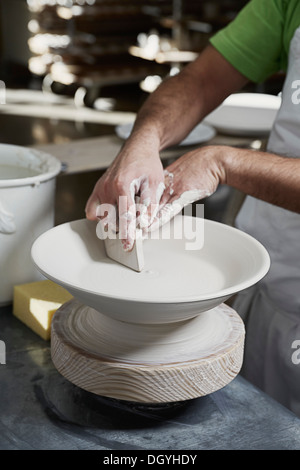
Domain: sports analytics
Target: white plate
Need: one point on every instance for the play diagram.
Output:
(249, 114)
(175, 284)
(201, 133)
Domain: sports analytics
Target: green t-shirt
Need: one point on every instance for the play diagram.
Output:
(257, 41)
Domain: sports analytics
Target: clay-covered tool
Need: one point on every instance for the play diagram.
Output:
(133, 259)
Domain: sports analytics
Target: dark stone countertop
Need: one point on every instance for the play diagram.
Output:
(41, 410)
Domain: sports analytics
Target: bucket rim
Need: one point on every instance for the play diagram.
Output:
(52, 167)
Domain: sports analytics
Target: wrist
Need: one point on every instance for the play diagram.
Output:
(218, 160)
(146, 137)
(226, 159)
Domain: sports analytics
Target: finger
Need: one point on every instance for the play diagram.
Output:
(163, 198)
(108, 220)
(166, 198)
(127, 222)
(98, 195)
(91, 207)
(152, 194)
(127, 213)
(165, 214)
(173, 205)
(169, 181)
(142, 202)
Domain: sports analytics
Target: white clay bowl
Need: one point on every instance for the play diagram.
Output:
(176, 283)
(248, 114)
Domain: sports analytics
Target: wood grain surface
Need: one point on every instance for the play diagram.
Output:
(78, 354)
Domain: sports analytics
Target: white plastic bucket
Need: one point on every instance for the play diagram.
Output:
(27, 192)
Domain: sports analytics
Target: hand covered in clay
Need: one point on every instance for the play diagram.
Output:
(129, 193)
(192, 177)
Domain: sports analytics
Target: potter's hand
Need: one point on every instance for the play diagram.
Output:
(190, 178)
(135, 175)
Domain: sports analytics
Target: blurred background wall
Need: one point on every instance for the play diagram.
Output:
(75, 69)
(93, 37)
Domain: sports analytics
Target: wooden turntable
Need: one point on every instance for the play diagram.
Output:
(147, 363)
(159, 336)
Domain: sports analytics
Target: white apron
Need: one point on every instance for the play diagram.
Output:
(271, 309)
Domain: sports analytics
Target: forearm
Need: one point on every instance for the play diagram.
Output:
(266, 176)
(182, 101)
(167, 116)
(172, 111)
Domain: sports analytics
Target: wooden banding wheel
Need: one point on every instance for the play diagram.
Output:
(162, 335)
(147, 363)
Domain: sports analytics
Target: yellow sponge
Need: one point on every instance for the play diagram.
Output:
(35, 304)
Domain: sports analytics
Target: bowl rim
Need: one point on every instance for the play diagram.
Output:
(223, 293)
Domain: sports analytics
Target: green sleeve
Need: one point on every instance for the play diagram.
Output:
(253, 41)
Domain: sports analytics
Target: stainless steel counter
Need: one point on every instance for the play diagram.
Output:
(41, 410)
